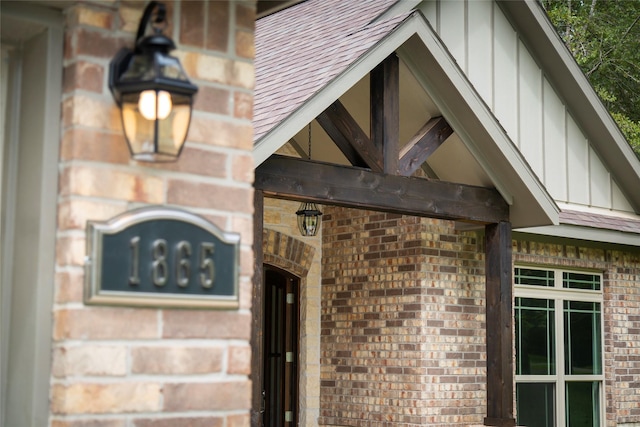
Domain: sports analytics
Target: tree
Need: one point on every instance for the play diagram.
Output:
(604, 38)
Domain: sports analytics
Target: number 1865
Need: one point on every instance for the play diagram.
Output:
(180, 259)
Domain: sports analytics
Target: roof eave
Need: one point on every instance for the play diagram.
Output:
(574, 88)
(584, 234)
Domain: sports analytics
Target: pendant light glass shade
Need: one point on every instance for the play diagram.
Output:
(308, 219)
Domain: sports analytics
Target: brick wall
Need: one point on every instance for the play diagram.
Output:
(622, 326)
(621, 274)
(402, 322)
(148, 367)
(403, 333)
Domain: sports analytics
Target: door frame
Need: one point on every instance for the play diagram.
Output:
(257, 297)
(294, 331)
(295, 257)
(31, 173)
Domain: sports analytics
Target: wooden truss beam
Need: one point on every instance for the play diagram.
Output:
(350, 138)
(292, 178)
(423, 144)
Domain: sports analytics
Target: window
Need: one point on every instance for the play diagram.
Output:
(558, 322)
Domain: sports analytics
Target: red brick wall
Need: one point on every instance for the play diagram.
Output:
(123, 366)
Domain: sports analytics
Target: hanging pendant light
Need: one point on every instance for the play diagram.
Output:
(308, 213)
(308, 219)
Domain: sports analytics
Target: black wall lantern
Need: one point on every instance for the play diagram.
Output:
(153, 92)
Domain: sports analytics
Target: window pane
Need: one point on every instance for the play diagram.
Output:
(535, 336)
(583, 404)
(581, 281)
(534, 404)
(527, 276)
(582, 338)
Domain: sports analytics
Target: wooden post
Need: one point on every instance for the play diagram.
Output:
(256, 313)
(499, 325)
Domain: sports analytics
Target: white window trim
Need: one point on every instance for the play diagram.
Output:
(560, 294)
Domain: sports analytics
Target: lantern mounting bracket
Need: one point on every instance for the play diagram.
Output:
(159, 18)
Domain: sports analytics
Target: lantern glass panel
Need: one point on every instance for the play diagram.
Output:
(158, 139)
(170, 67)
(140, 68)
(308, 225)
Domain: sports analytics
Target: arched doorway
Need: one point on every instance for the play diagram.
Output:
(292, 258)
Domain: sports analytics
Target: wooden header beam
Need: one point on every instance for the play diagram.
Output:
(292, 178)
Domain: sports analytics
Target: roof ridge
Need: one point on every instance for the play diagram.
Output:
(379, 21)
(398, 8)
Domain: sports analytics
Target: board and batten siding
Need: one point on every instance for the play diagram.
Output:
(507, 76)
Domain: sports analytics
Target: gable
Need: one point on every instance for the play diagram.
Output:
(576, 166)
(479, 136)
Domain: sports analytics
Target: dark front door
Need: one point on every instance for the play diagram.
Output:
(280, 349)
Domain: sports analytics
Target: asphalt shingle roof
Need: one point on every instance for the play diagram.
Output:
(301, 49)
(587, 219)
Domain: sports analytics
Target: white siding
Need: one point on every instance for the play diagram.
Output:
(452, 26)
(619, 201)
(507, 77)
(480, 64)
(577, 164)
(530, 109)
(430, 11)
(555, 145)
(600, 191)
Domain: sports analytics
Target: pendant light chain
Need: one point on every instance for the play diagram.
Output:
(308, 213)
(309, 139)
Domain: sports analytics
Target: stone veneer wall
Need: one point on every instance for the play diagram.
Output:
(403, 333)
(117, 367)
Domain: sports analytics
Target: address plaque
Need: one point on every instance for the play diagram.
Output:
(161, 257)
